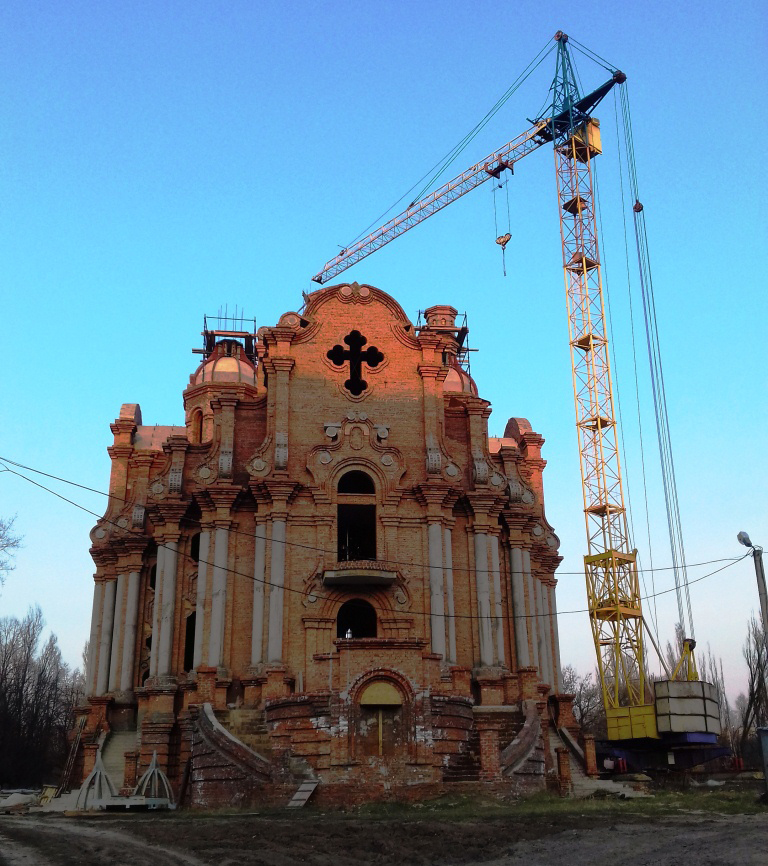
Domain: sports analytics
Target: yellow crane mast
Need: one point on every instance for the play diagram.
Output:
(610, 566)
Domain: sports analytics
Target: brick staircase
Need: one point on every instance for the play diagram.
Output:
(465, 766)
(582, 785)
(249, 727)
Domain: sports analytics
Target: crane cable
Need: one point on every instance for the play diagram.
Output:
(649, 537)
(616, 379)
(442, 165)
(657, 379)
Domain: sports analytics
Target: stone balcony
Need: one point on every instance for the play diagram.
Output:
(359, 573)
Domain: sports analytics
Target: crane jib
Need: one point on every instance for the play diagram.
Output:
(543, 131)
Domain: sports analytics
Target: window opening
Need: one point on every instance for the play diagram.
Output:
(194, 548)
(152, 577)
(356, 532)
(357, 616)
(189, 642)
(354, 354)
(356, 482)
(197, 427)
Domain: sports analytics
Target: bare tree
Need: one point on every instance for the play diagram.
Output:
(588, 709)
(673, 652)
(9, 544)
(37, 695)
(753, 708)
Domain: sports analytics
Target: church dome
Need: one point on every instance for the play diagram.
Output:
(226, 364)
(459, 381)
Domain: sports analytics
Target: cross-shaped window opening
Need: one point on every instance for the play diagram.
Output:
(355, 355)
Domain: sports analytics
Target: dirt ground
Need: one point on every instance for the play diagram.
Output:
(665, 832)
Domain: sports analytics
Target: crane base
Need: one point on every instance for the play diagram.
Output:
(675, 752)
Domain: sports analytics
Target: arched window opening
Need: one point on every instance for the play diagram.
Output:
(356, 481)
(194, 548)
(358, 617)
(196, 431)
(189, 642)
(356, 522)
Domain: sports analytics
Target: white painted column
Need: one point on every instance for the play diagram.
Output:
(154, 650)
(483, 585)
(518, 602)
(168, 602)
(436, 597)
(92, 663)
(259, 577)
(200, 657)
(114, 670)
(218, 596)
(105, 644)
(545, 644)
(129, 633)
(498, 608)
(276, 592)
(533, 630)
(558, 684)
(450, 608)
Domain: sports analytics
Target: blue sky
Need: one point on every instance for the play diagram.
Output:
(161, 160)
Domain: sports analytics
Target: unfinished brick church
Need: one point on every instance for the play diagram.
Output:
(329, 574)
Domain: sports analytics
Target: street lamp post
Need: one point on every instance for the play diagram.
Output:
(757, 556)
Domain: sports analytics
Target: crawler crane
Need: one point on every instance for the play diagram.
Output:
(682, 724)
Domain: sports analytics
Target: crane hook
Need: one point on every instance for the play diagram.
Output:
(502, 241)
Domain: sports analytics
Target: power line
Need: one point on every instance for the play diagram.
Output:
(424, 613)
(410, 563)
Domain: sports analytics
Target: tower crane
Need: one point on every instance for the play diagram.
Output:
(610, 565)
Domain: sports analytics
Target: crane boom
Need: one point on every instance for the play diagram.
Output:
(541, 132)
(491, 166)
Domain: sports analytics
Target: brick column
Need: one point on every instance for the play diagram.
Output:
(545, 637)
(201, 655)
(129, 633)
(558, 671)
(449, 605)
(117, 627)
(105, 643)
(276, 591)
(498, 610)
(219, 593)
(483, 588)
(563, 771)
(532, 631)
(154, 650)
(259, 578)
(590, 756)
(168, 602)
(528, 679)
(92, 664)
(436, 596)
(490, 757)
(518, 603)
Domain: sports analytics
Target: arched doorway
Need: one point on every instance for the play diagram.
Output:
(381, 729)
(358, 617)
